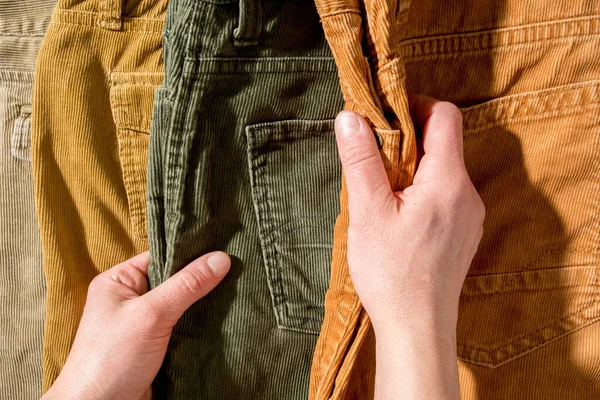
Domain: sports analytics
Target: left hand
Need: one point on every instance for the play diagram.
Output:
(125, 329)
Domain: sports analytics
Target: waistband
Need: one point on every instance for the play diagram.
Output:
(113, 15)
(447, 45)
(25, 18)
(246, 29)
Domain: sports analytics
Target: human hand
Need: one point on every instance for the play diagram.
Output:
(409, 251)
(125, 329)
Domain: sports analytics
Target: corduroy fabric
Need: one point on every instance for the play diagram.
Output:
(22, 286)
(97, 71)
(374, 85)
(243, 159)
(527, 76)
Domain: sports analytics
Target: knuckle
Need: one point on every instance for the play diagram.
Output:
(357, 154)
(457, 192)
(195, 279)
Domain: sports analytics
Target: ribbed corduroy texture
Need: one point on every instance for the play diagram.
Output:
(95, 81)
(527, 75)
(374, 86)
(243, 159)
(22, 287)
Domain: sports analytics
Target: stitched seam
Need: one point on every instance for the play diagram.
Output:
(571, 110)
(128, 84)
(503, 286)
(94, 14)
(587, 305)
(496, 49)
(339, 12)
(133, 127)
(265, 65)
(21, 34)
(262, 206)
(92, 19)
(478, 114)
(486, 39)
(151, 32)
(540, 93)
(530, 290)
(563, 267)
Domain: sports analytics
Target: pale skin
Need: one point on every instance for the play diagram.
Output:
(408, 254)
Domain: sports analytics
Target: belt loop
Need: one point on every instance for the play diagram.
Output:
(109, 16)
(249, 24)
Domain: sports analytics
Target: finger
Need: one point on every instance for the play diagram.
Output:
(178, 293)
(441, 124)
(363, 168)
(132, 273)
(139, 262)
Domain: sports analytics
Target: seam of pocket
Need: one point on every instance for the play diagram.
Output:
(483, 358)
(583, 307)
(90, 18)
(517, 274)
(20, 140)
(131, 99)
(555, 100)
(264, 65)
(272, 232)
(486, 40)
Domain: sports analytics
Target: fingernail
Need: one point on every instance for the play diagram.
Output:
(218, 263)
(348, 124)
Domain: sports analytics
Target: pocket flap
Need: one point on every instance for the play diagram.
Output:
(131, 99)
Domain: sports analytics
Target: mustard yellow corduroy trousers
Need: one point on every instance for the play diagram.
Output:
(97, 70)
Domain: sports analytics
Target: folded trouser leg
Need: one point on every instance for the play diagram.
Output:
(374, 85)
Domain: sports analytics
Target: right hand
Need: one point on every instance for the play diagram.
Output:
(409, 251)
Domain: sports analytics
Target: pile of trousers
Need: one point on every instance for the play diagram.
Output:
(187, 126)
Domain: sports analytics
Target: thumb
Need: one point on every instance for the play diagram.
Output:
(174, 296)
(363, 168)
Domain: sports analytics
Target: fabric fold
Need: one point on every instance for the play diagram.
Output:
(364, 38)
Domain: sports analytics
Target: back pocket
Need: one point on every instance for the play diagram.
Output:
(131, 99)
(295, 175)
(534, 160)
